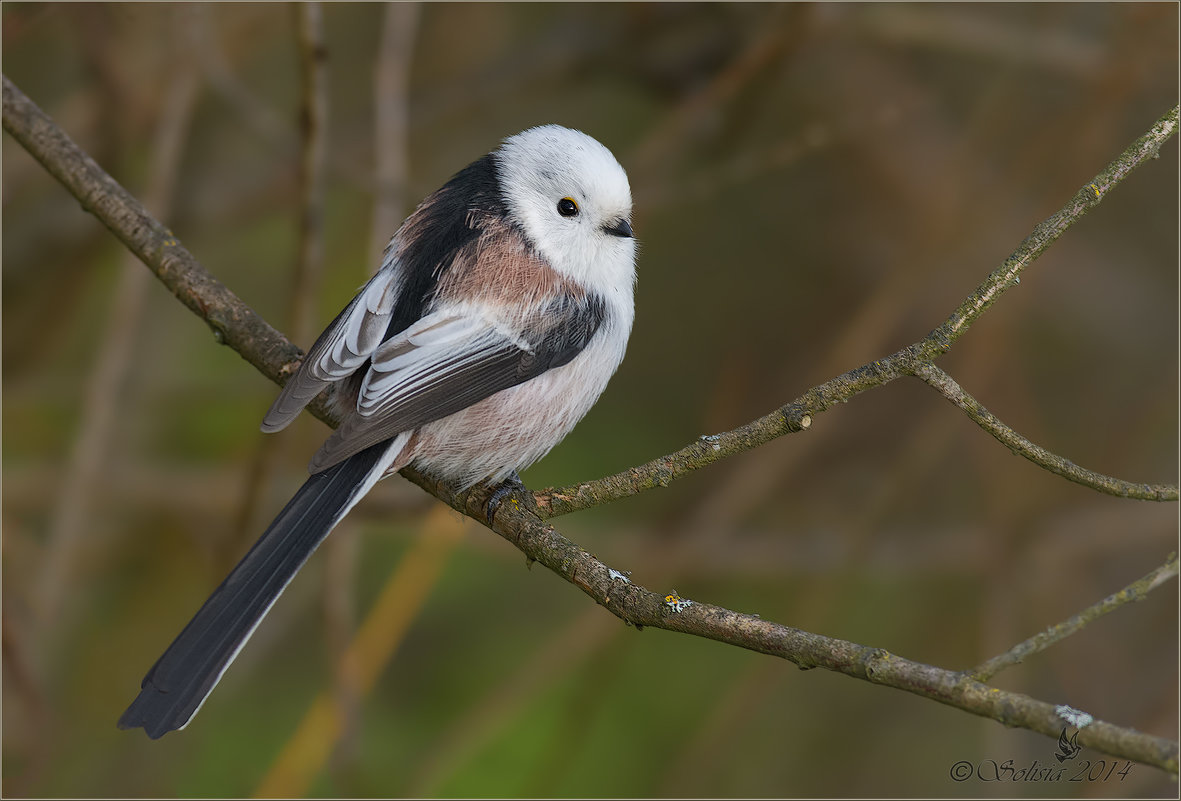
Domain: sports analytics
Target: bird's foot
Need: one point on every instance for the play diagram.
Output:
(508, 487)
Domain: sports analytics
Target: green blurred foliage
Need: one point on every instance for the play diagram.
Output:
(816, 186)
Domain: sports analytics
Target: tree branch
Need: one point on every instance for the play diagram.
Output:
(942, 383)
(1136, 591)
(638, 606)
(518, 519)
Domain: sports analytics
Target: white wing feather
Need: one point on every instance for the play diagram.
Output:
(341, 349)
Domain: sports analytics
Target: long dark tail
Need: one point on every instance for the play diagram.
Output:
(183, 677)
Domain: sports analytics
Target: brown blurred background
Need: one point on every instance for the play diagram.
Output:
(816, 186)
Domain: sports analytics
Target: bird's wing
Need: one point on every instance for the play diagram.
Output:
(451, 359)
(343, 347)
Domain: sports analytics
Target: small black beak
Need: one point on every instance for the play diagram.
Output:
(620, 227)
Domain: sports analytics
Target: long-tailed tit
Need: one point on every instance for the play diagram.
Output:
(502, 307)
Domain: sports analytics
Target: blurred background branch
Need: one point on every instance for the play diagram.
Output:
(305, 282)
(391, 124)
(232, 321)
(364, 659)
(102, 402)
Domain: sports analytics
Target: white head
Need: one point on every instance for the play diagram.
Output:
(573, 201)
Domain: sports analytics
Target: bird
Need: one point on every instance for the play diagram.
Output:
(502, 307)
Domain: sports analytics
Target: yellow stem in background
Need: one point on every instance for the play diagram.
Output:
(305, 754)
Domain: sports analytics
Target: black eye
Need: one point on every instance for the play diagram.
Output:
(567, 207)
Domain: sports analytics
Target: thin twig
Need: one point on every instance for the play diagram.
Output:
(942, 383)
(1008, 275)
(1136, 591)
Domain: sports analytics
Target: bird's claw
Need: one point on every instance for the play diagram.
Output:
(507, 487)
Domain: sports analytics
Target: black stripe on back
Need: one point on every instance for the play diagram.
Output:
(443, 225)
